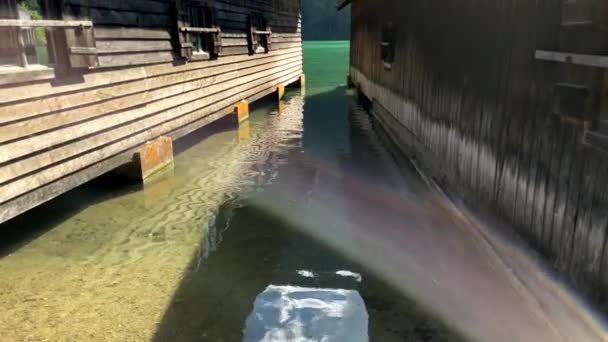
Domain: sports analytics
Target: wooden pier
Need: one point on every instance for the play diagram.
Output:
(121, 74)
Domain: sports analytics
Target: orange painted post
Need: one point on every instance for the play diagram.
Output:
(282, 107)
(244, 131)
(155, 156)
(159, 188)
(281, 91)
(302, 84)
(242, 111)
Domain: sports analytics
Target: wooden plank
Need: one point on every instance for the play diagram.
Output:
(112, 33)
(128, 19)
(104, 78)
(250, 6)
(133, 59)
(229, 38)
(587, 248)
(247, 7)
(128, 95)
(77, 50)
(235, 50)
(242, 41)
(21, 148)
(191, 127)
(46, 193)
(598, 249)
(288, 45)
(187, 113)
(199, 29)
(286, 35)
(45, 23)
(579, 59)
(234, 42)
(31, 109)
(133, 46)
(23, 75)
(144, 6)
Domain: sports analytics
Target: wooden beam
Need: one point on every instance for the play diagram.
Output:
(574, 58)
(83, 50)
(45, 23)
(200, 29)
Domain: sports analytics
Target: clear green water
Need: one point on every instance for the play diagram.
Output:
(326, 65)
(184, 258)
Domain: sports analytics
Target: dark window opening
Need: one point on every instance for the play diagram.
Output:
(33, 38)
(259, 34)
(200, 33)
(201, 41)
(22, 46)
(388, 45)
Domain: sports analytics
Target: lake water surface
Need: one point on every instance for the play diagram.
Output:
(184, 258)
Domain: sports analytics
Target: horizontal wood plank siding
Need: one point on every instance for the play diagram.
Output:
(56, 134)
(143, 31)
(466, 85)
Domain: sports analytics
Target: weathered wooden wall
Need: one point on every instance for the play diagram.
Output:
(139, 31)
(58, 133)
(473, 104)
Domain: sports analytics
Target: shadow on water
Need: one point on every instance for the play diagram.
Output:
(247, 248)
(27, 227)
(24, 228)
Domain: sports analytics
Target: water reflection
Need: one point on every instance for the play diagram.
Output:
(246, 249)
(103, 261)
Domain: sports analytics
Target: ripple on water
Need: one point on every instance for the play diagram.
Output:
(108, 271)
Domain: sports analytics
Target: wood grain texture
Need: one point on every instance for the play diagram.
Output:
(478, 104)
(58, 133)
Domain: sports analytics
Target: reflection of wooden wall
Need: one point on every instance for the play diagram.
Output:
(479, 112)
(58, 133)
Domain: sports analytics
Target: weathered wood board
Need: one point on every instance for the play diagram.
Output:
(62, 130)
(475, 85)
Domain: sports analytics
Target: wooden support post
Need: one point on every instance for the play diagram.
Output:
(282, 106)
(155, 156)
(281, 91)
(242, 111)
(302, 84)
(151, 159)
(244, 131)
(159, 188)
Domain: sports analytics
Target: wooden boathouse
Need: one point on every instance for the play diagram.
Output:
(505, 103)
(109, 81)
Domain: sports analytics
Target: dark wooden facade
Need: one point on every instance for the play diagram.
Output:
(128, 72)
(504, 102)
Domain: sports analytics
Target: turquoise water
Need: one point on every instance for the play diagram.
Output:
(326, 65)
(184, 258)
